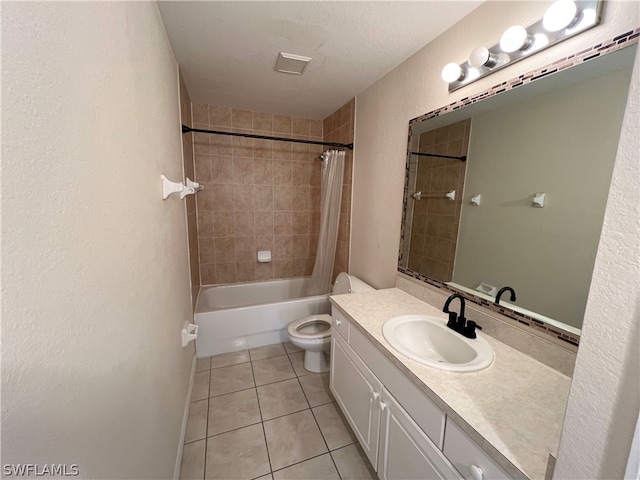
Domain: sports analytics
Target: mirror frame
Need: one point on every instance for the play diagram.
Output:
(601, 49)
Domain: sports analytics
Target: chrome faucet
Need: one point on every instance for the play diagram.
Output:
(512, 298)
(458, 322)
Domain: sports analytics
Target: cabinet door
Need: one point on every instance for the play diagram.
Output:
(356, 390)
(405, 451)
(470, 460)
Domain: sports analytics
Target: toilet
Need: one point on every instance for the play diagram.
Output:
(313, 333)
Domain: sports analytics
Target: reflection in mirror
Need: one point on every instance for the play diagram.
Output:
(557, 136)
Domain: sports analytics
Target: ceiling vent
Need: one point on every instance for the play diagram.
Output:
(290, 63)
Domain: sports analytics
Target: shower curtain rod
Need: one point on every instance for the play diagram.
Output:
(463, 158)
(186, 129)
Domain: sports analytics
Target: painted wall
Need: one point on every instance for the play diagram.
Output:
(506, 241)
(95, 270)
(189, 168)
(415, 87)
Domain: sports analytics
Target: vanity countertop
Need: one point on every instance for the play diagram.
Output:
(514, 409)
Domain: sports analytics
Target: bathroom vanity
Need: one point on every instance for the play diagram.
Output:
(418, 422)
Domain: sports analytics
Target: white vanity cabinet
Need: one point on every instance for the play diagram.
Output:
(401, 430)
(397, 446)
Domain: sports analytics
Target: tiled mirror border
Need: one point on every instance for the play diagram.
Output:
(618, 42)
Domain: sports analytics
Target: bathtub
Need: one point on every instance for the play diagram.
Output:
(247, 315)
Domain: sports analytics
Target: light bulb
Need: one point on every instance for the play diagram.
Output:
(481, 56)
(559, 15)
(514, 38)
(452, 72)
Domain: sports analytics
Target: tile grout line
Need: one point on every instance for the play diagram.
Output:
(206, 439)
(324, 439)
(306, 460)
(231, 365)
(234, 429)
(335, 465)
(286, 414)
(264, 432)
(206, 430)
(231, 393)
(317, 424)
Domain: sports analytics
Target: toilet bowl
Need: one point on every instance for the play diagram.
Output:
(313, 333)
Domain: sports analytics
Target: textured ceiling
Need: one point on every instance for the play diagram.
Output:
(227, 50)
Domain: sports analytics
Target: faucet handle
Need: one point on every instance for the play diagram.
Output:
(471, 329)
(453, 320)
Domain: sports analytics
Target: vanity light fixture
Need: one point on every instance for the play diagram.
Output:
(562, 20)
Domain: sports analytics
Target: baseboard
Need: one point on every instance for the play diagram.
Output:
(185, 417)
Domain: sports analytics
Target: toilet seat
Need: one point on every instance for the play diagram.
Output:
(294, 328)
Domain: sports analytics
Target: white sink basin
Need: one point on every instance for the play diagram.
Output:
(429, 341)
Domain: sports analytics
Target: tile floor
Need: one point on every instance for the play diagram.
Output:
(258, 414)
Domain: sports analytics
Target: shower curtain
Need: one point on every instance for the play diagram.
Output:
(332, 173)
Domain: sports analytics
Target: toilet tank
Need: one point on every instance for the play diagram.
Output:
(346, 283)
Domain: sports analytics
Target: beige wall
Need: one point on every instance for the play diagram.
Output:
(259, 195)
(188, 162)
(95, 277)
(561, 143)
(339, 127)
(415, 87)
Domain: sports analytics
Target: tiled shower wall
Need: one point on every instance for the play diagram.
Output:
(339, 127)
(189, 172)
(434, 227)
(259, 195)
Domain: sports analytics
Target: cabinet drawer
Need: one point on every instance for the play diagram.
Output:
(340, 323)
(463, 452)
(423, 411)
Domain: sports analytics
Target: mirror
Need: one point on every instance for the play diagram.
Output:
(525, 209)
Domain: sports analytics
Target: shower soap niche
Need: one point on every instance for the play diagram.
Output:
(264, 256)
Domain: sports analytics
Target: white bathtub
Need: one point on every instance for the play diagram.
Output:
(247, 315)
